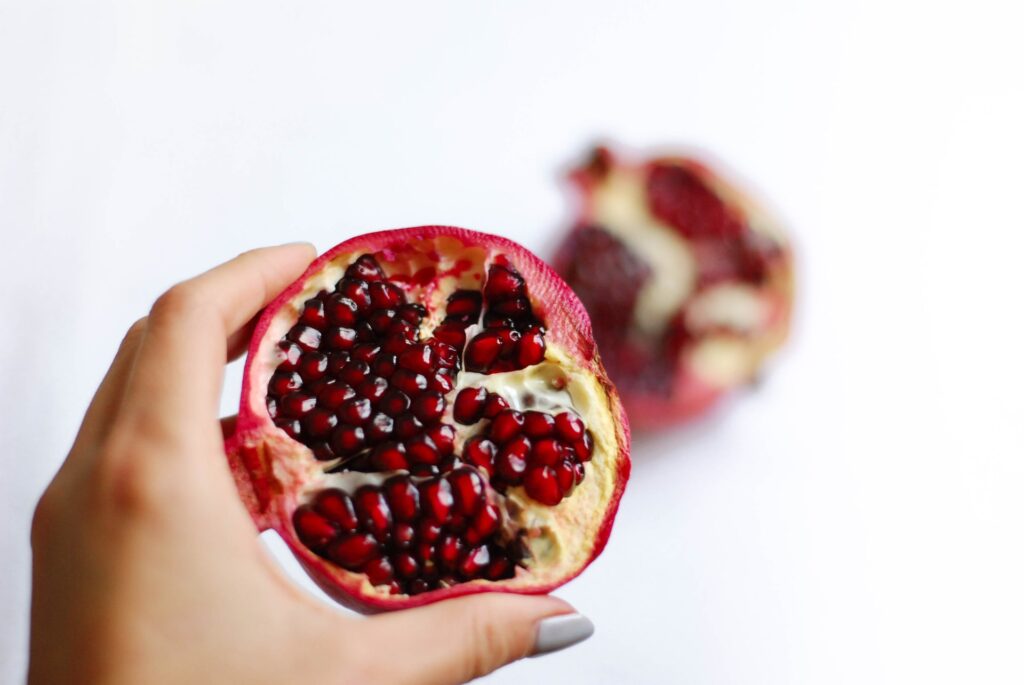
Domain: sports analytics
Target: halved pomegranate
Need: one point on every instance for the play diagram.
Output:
(424, 416)
(688, 283)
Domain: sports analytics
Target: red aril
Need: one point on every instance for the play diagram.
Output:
(688, 283)
(424, 415)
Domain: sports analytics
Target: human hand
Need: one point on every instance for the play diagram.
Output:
(147, 568)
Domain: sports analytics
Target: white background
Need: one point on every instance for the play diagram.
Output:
(857, 519)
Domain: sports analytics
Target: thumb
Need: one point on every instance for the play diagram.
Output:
(460, 639)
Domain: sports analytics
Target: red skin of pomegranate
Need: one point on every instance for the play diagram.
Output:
(271, 469)
(726, 242)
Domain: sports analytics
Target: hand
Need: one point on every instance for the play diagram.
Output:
(147, 568)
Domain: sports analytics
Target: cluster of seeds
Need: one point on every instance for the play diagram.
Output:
(358, 386)
(355, 380)
(412, 536)
(542, 452)
(512, 338)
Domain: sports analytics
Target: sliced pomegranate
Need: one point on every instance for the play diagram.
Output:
(424, 415)
(688, 283)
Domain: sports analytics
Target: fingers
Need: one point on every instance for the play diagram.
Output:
(179, 369)
(461, 639)
(107, 399)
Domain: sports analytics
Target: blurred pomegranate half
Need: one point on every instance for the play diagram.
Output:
(688, 283)
(424, 416)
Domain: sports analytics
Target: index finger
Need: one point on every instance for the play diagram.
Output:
(180, 364)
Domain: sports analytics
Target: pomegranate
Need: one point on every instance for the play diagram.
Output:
(424, 415)
(688, 283)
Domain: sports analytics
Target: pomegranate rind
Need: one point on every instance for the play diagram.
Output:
(271, 470)
(700, 379)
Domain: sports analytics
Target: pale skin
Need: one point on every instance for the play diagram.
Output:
(147, 568)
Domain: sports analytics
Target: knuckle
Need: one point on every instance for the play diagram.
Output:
(181, 299)
(488, 646)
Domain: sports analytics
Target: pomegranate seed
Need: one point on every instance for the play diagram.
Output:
(584, 447)
(306, 336)
(538, 424)
(503, 283)
(355, 411)
(272, 407)
(394, 402)
(283, 382)
(314, 530)
(340, 338)
(514, 308)
(406, 565)
(348, 440)
(443, 437)
(409, 382)
(407, 426)
(479, 451)
(511, 460)
(384, 295)
(333, 394)
(441, 382)
(288, 353)
(436, 499)
(379, 571)
(373, 388)
(356, 290)
(297, 404)
(465, 305)
(428, 407)
(506, 426)
(499, 568)
(452, 334)
(336, 362)
(418, 586)
(413, 313)
(385, 365)
(579, 472)
(566, 476)
(322, 451)
(366, 353)
(495, 405)
(293, 428)
(482, 351)
(365, 268)
(380, 428)
(312, 366)
(447, 356)
(474, 562)
(319, 423)
(484, 524)
(429, 531)
(403, 497)
(337, 506)
(467, 489)
(469, 405)
(373, 511)
(341, 311)
(569, 426)
(422, 450)
(381, 321)
(449, 549)
(354, 550)
(313, 313)
(542, 485)
(403, 535)
(418, 358)
(547, 452)
(355, 372)
(390, 456)
(531, 348)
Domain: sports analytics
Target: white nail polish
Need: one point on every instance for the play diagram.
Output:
(559, 632)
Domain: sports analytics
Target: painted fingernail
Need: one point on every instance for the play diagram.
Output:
(559, 632)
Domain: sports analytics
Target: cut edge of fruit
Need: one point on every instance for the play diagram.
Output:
(272, 470)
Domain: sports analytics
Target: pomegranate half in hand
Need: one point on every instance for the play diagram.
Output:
(424, 416)
(688, 283)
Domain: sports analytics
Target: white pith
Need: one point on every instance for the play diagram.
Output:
(557, 384)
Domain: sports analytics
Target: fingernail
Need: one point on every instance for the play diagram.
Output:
(559, 632)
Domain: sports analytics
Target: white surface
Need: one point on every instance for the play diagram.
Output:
(855, 520)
